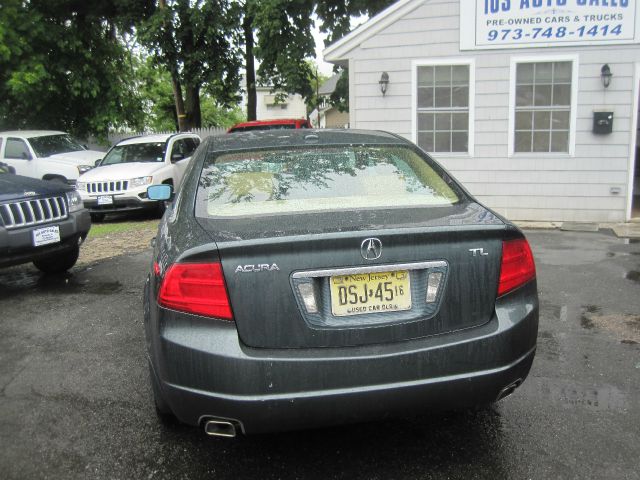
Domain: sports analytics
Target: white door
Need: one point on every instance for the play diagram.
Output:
(19, 156)
(181, 153)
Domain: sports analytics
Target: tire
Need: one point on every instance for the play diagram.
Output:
(59, 263)
(97, 217)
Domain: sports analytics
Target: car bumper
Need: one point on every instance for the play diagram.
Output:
(204, 371)
(120, 204)
(16, 245)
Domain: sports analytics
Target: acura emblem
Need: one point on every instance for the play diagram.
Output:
(371, 248)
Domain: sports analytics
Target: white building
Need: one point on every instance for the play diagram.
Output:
(269, 107)
(510, 96)
(326, 115)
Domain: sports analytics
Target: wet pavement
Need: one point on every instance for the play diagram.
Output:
(75, 401)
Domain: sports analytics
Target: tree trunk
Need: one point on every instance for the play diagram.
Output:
(192, 102)
(177, 96)
(250, 67)
(177, 89)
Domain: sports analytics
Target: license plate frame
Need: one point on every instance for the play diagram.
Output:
(375, 292)
(105, 199)
(46, 235)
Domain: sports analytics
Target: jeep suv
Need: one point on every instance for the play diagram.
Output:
(40, 222)
(119, 182)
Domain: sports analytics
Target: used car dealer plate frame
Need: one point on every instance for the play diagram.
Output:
(46, 235)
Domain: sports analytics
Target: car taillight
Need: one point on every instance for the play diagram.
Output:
(517, 266)
(196, 288)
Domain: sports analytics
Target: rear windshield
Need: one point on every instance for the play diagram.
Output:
(135, 152)
(319, 179)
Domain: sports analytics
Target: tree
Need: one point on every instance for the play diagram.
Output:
(316, 81)
(192, 40)
(336, 22)
(62, 64)
(278, 34)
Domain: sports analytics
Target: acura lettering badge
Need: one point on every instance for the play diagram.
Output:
(371, 248)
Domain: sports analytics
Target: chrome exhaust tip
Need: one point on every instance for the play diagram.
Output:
(509, 389)
(220, 428)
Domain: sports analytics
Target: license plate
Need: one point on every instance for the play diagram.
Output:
(46, 235)
(105, 200)
(377, 292)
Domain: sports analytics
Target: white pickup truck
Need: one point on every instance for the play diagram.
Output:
(46, 155)
(119, 182)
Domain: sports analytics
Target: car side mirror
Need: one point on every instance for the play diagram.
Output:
(176, 157)
(26, 156)
(160, 192)
(97, 162)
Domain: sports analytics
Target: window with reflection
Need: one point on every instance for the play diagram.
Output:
(443, 108)
(543, 107)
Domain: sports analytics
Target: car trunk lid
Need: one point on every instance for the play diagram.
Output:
(266, 260)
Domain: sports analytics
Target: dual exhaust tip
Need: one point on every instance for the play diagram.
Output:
(219, 428)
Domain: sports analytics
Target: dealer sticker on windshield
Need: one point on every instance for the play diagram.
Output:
(105, 200)
(377, 292)
(46, 235)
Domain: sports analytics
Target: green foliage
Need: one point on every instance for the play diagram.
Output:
(154, 86)
(335, 15)
(335, 19)
(153, 82)
(284, 43)
(66, 64)
(192, 41)
(340, 96)
(62, 66)
(316, 81)
(215, 115)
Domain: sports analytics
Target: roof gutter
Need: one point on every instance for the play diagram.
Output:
(337, 51)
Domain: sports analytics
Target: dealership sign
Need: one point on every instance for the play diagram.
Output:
(545, 23)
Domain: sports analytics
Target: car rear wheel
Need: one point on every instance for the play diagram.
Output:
(60, 263)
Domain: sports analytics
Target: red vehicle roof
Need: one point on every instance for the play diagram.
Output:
(270, 124)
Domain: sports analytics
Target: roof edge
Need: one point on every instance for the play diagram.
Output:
(337, 50)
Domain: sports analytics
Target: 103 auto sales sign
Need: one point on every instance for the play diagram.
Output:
(486, 24)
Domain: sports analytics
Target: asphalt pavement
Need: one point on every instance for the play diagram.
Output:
(75, 401)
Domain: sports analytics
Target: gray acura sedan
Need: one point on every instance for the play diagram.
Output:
(317, 277)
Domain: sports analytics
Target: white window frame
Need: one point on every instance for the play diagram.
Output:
(575, 66)
(471, 63)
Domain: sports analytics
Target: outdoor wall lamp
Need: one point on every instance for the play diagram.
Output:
(605, 75)
(384, 82)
